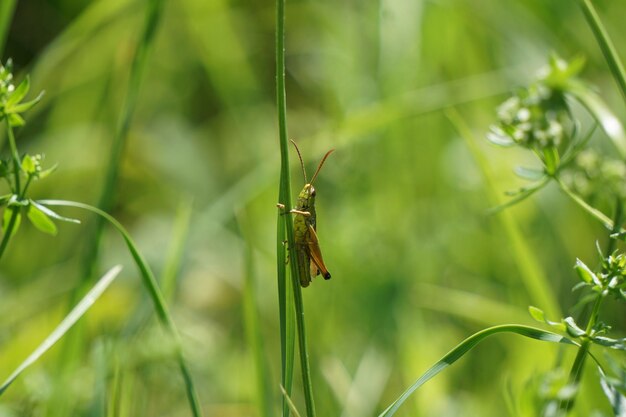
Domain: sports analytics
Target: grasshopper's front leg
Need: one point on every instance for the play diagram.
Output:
(292, 211)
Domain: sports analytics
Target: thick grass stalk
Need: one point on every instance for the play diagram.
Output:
(285, 218)
(151, 285)
(285, 294)
(606, 45)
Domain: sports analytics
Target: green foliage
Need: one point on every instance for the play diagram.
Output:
(179, 103)
(16, 203)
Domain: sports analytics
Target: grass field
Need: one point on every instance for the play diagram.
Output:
(164, 115)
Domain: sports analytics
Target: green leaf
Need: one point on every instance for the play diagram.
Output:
(18, 94)
(499, 138)
(617, 400)
(20, 108)
(40, 220)
(43, 174)
(585, 273)
(572, 328)
(15, 120)
(551, 159)
(540, 316)
(531, 174)
(537, 314)
(53, 214)
(467, 345)
(619, 344)
(71, 319)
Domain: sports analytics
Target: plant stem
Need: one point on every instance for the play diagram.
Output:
(606, 221)
(16, 158)
(15, 211)
(606, 45)
(579, 362)
(285, 200)
(9, 229)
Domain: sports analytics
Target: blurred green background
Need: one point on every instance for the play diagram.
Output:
(417, 263)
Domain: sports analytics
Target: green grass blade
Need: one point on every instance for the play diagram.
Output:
(69, 320)
(467, 345)
(287, 303)
(151, 285)
(292, 406)
(285, 193)
(606, 45)
(285, 309)
(154, 12)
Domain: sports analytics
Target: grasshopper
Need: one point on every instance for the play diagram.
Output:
(309, 255)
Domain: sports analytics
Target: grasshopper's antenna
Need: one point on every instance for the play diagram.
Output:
(320, 165)
(300, 157)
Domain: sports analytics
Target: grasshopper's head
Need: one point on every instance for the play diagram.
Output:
(306, 198)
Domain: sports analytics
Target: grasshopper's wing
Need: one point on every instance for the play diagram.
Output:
(317, 262)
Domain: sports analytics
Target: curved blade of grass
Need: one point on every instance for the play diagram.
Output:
(69, 320)
(150, 283)
(467, 345)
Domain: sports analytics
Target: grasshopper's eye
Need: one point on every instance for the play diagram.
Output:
(312, 192)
